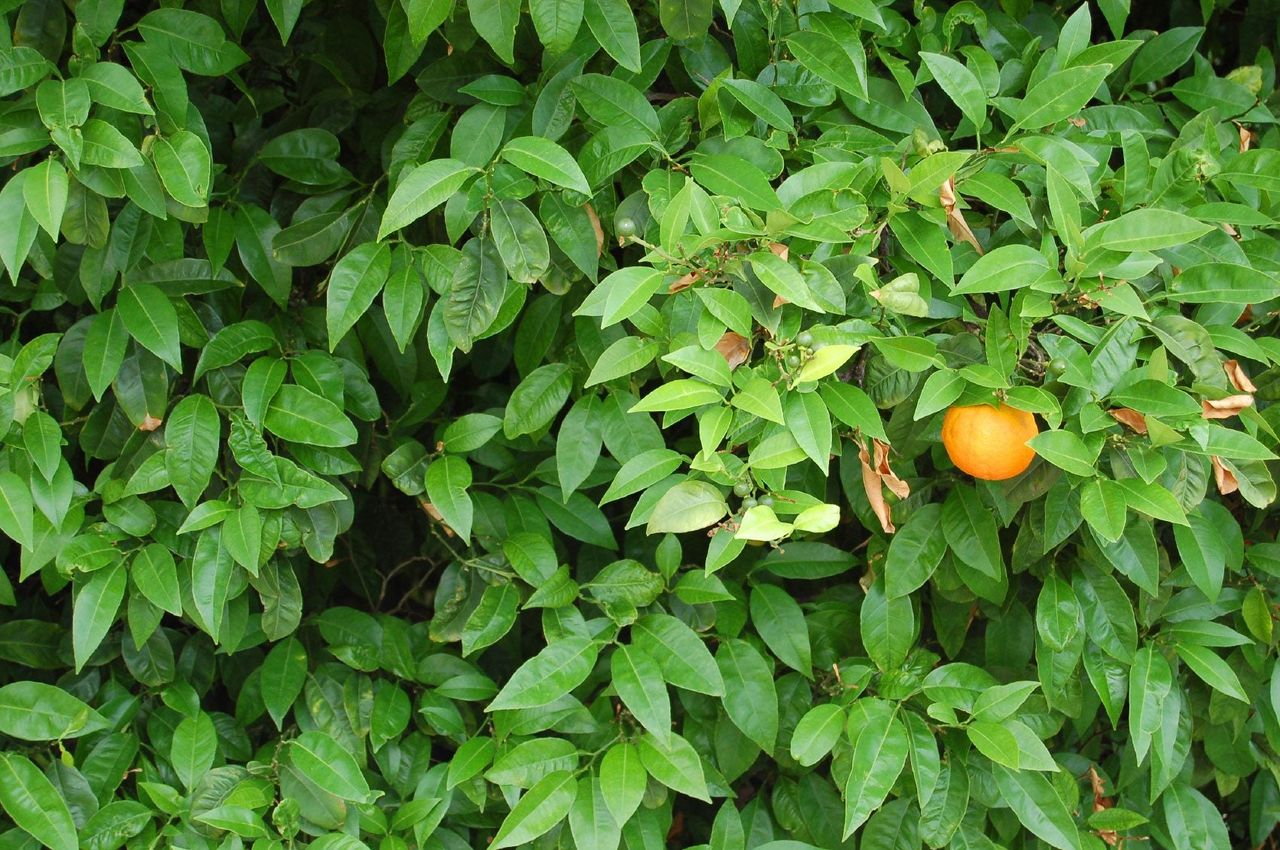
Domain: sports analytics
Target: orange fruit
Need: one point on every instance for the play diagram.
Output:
(989, 442)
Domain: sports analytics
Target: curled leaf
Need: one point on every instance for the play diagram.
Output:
(1225, 408)
(1247, 137)
(895, 484)
(877, 476)
(735, 348)
(434, 512)
(1223, 477)
(1237, 377)
(685, 282)
(955, 216)
(1131, 419)
(595, 226)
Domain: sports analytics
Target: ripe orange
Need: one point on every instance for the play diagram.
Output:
(989, 442)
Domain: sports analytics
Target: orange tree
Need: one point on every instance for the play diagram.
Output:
(433, 424)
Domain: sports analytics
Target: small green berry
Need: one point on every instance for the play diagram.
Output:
(741, 489)
(793, 361)
(805, 339)
(1057, 366)
(749, 503)
(766, 501)
(626, 226)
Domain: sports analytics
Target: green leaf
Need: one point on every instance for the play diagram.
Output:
(298, 415)
(21, 67)
(421, 190)
(759, 398)
(448, 478)
(329, 766)
(629, 354)
(284, 672)
(817, 733)
(185, 167)
(614, 27)
(914, 552)
(642, 471)
(1152, 500)
(675, 764)
(45, 189)
(354, 283)
(154, 574)
(685, 19)
(1148, 230)
(1007, 267)
(492, 619)
(34, 711)
(750, 698)
(151, 319)
(888, 627)
(495, 21)
(735, 178)
(879, 753)
(830, 60)
(96, 603)
(31, 800)
(1060, 95)
(542, 807)
(193, 434)
(1150, 680)
(556, 22)
(638, 681)
(545, 159)
(784, 280)
(970, 531)
(781, 624)
(1212, 670)
(960, 84)
(1226, 283)
(193, 748)
(16, 509)
(1065, 450)
(521, 241)
(537, 400)
(681, 654)
(559, 668)
(688, 506)
(995, 742)
(1037, 805)
(475, 295)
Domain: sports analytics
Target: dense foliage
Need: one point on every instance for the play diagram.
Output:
(504, 423)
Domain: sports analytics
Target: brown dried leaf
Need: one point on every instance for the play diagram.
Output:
(685, 282)
(1225, 478)
(871, 483)
(1246, 315)
(150, 423)
(1237, 377)
(1225, 408)
(955, 216)
(780, 250)
(595, 225)
(778, 301)
(1132, 419)
(1100, 803)
(431, 511)
(735, 348)
(895, 484)
(1247, 138)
